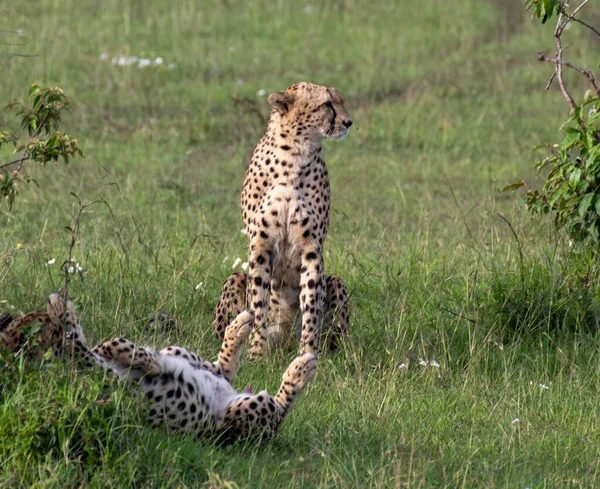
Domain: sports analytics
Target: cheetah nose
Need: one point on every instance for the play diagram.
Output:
(347, 122)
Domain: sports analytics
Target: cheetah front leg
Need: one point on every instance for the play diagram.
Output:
(228, 361)
(295, 379)
(312, 298)
(261, 415)
(258, 286)
(236, 334)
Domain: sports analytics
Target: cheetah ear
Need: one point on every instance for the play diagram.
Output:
(281, 101)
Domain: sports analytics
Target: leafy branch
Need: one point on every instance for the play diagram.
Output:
(45, 142)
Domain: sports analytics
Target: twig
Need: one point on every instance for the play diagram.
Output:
(19, 55)
(579, 21)
(579, 8)
(559, 61)
(519, 246)
(585, 72)
(74, 228)
(550, 81)
(250, 107)
(14, 162)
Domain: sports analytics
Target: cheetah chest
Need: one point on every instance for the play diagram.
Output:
(187, 398)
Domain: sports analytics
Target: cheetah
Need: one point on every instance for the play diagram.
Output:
(37, 332)
(285, 205)
(187, 393)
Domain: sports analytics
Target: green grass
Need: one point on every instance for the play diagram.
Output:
(447, 100)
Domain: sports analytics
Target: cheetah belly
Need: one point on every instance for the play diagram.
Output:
(188, 399)
(287, 253)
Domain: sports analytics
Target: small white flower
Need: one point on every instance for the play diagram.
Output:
(243, 231)
(401, 366)
(423, 363)
(132, 60)
(225, 259)
(103, 57)
(245, 266)
(158, 61)
(240, 81)
(515, 421)
(433, 363)
(20, 32)
(236, 262)
(51, 261)
(261, 92)
(307, 9)
(144, 62)
(544, 387)
(200, 284)
(171, 66)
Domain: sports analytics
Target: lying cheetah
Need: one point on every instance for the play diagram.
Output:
(285, 203)
(187, 393)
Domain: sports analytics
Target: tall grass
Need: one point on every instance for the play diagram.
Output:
(447, 101)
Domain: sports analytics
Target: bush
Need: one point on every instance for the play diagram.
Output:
(571, 191)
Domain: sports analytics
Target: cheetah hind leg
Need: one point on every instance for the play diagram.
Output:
(232, 302)
(126, 359)
(337, 313)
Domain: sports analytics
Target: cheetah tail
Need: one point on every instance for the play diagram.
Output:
(127, 360)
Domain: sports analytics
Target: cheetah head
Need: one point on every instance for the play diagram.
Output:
(311, 110)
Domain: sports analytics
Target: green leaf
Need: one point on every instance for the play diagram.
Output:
(584, 205)
(597, 204)
(575, 176)
(513, 186)
(557, 195)
(32, 90)
(52, 141)
(572, 138)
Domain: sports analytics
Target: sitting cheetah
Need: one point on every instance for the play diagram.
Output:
(285, 203)
(188, 393)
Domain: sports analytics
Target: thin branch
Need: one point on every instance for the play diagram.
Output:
(559, 61)
(591, 27)
(74, 228)
(550, 81)
(519, 246)
(19, 55)
(579, 8)
(585, 72)
(14, 162)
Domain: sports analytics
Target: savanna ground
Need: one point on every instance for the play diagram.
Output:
(447, 101)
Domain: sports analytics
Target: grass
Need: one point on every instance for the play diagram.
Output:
(447, 100)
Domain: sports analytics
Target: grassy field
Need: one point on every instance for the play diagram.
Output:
(447, 101)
